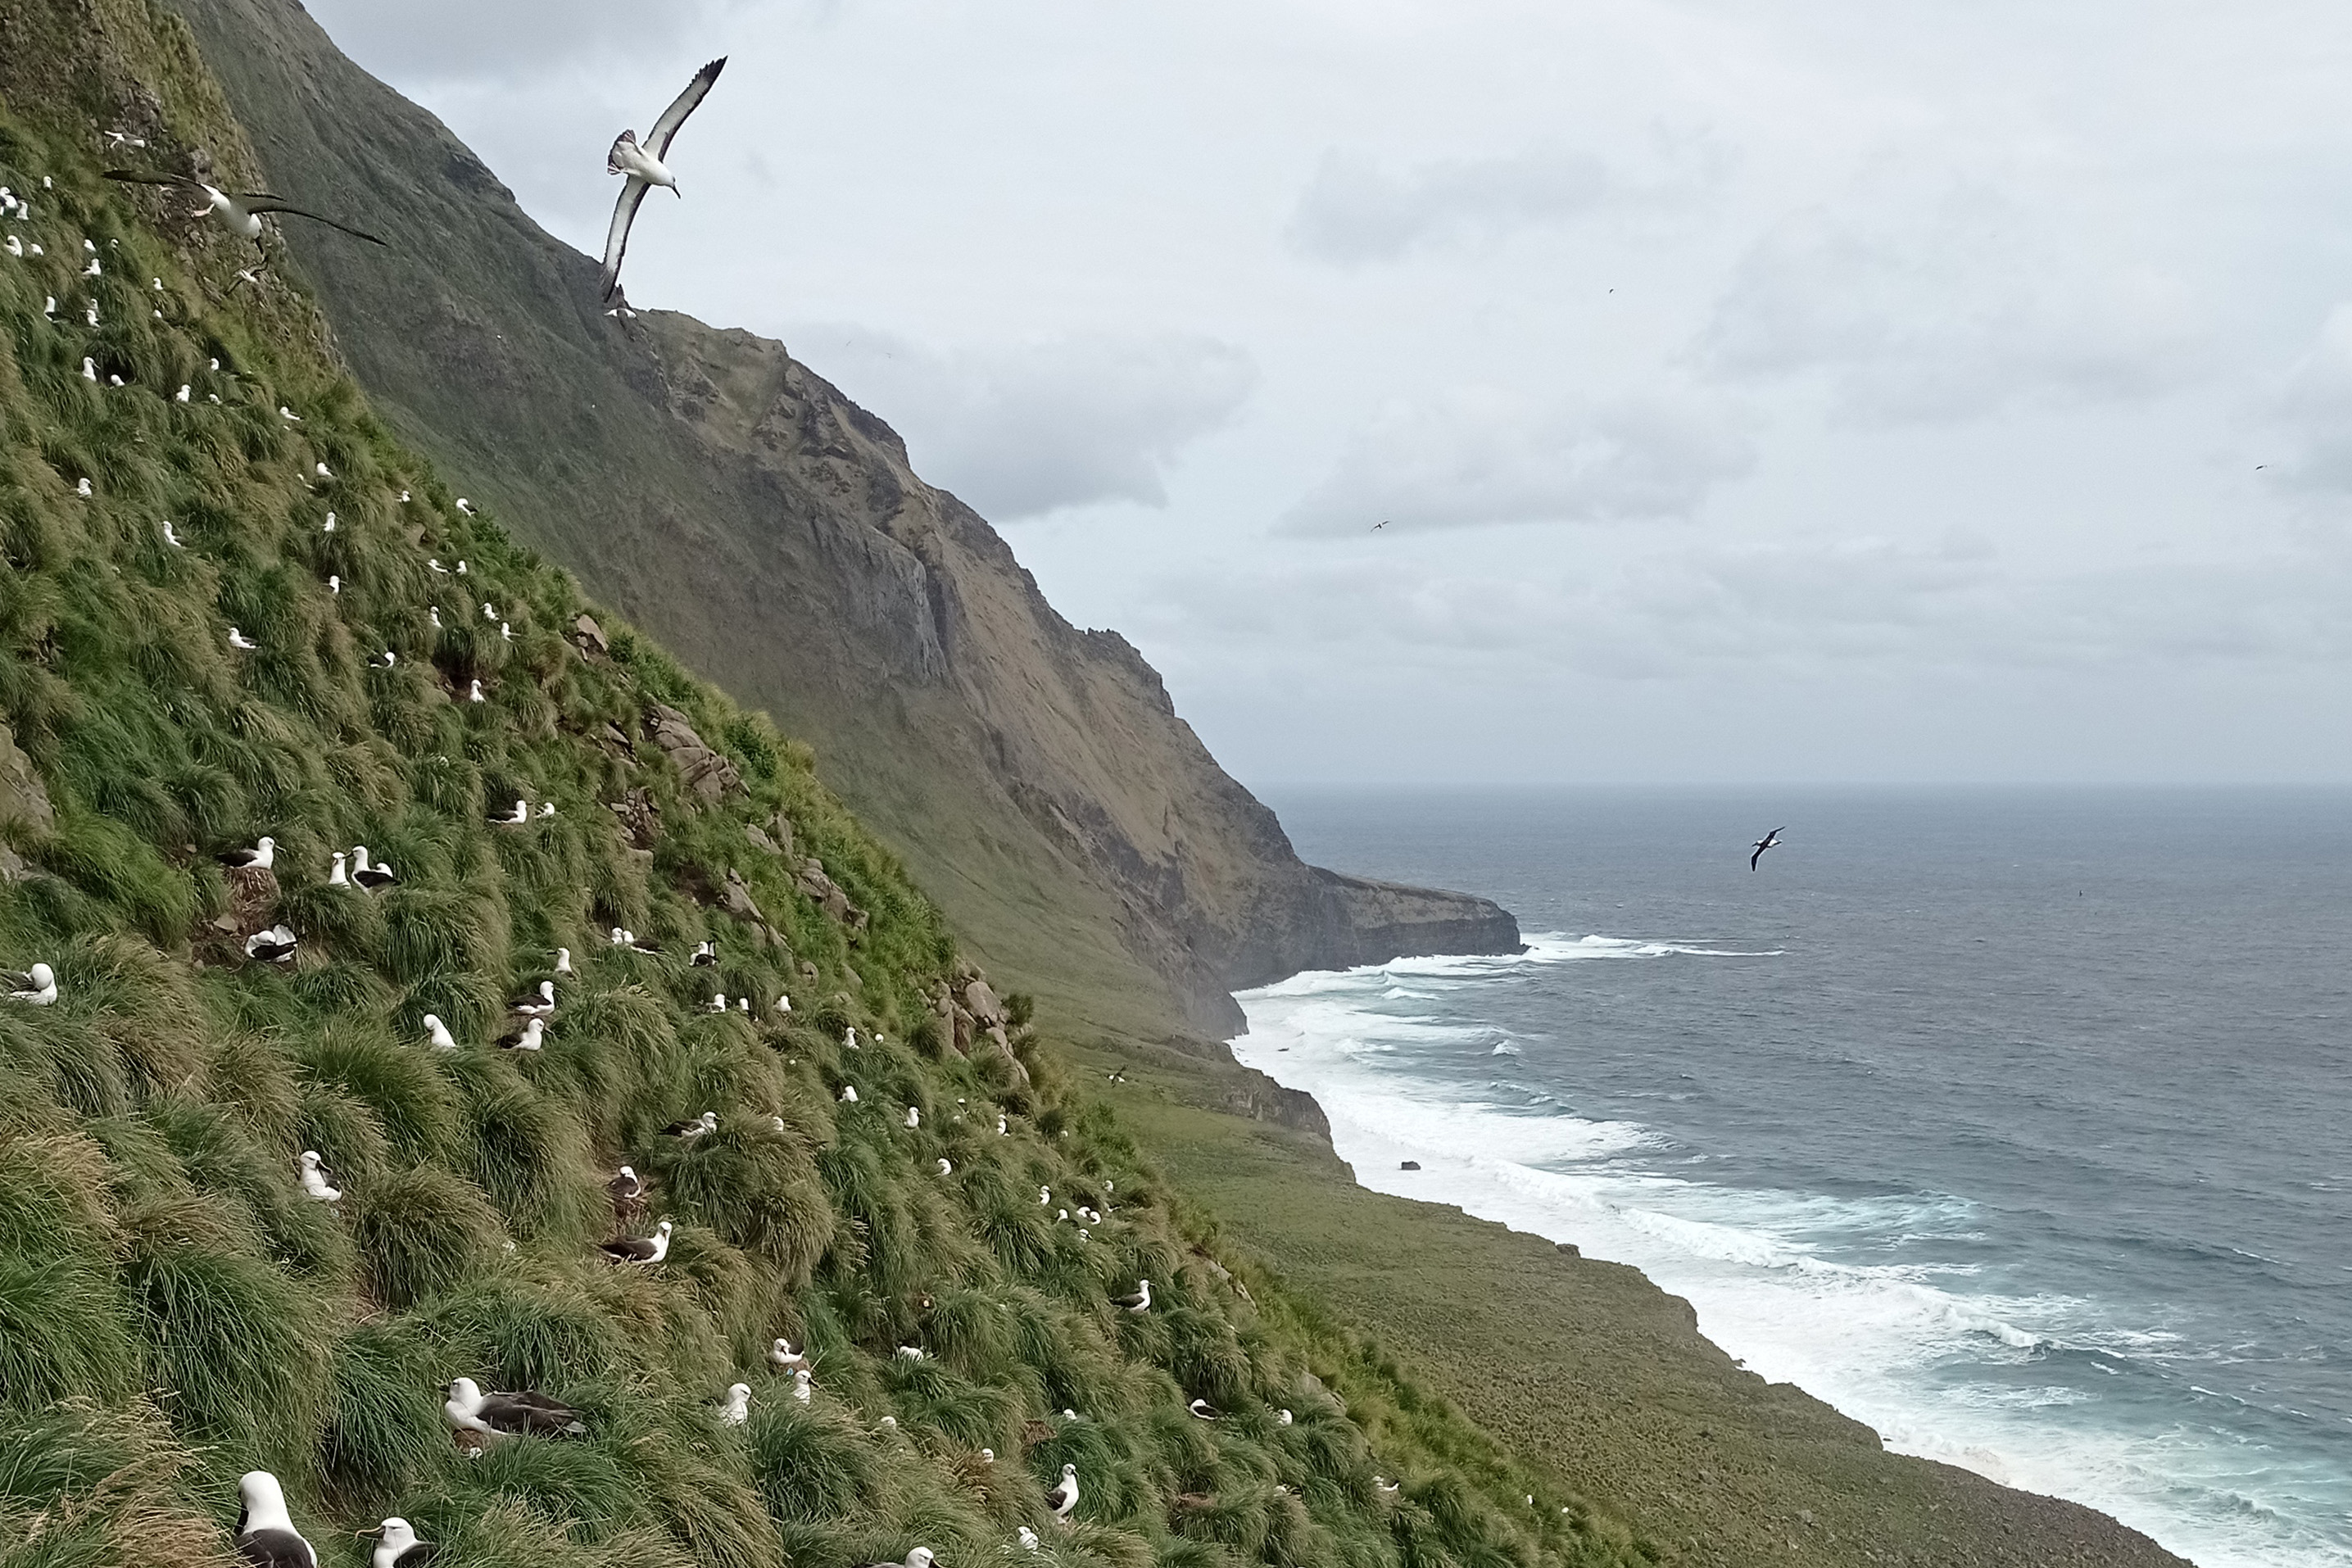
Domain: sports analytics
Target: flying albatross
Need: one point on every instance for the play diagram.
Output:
(265, 1530)
(1770, 841)
(509, 1415)
(240, 210)
(642, 162)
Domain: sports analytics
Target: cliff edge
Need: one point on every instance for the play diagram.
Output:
(729, 500)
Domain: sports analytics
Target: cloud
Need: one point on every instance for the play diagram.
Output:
(1485, 456)
(2317, 407)
(1353, 212)
(1024, 430)
(1948, 305)
(473, 39)
(1874, 605)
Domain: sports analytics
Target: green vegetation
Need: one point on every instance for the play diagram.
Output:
(174, 1310)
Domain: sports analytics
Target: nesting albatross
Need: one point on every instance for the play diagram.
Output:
(37, 986)
(639, 1250)
(522, 1414)
(265, 1530)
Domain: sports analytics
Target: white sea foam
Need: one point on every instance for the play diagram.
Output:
(1889, 1344)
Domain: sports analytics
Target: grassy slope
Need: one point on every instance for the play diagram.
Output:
(174, 1312)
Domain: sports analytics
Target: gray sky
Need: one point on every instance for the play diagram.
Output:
(1863, 391)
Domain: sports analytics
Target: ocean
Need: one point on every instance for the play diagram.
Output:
(2011, 1123)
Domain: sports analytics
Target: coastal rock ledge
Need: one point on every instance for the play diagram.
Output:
(1345, 922)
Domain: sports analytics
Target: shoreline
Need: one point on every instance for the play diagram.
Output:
(1432, 1169)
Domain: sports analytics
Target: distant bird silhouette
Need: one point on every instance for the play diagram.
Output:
(1380, 525)
(1770, 841)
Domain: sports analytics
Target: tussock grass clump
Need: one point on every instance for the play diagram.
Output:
(421, 1232)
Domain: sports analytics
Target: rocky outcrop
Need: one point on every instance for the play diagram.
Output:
(706, 772)
(1034, 776)
(25, 806)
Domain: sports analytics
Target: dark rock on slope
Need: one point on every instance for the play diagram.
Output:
(1034, 776)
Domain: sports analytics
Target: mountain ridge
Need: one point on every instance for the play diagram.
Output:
(732, 502)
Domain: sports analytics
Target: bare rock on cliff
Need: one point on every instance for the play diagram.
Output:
(24, 804)
(706, 772)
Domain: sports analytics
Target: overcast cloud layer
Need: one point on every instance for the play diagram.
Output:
(1861, 392)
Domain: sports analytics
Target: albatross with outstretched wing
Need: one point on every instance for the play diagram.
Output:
(642, 162)
(240, 210)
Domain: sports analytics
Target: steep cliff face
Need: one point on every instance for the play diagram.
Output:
(1035, 776)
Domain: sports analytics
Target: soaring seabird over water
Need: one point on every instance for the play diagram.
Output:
(1064, 1498)
(706, 1122)
(1138, 1302)
(439, 1033)
(242, 211)
(261, 858)
(738, 1408)
(781, 1353)
(509, 1415)
(37, 985)
(539, 1003)
(642, 165)
(379, 875)
(1770, 841)
(396, 1539)
(272, 946)
(314, 1178)
(265, 1530)
(639, 1250)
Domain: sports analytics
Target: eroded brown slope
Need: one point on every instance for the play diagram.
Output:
(1035, 776)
